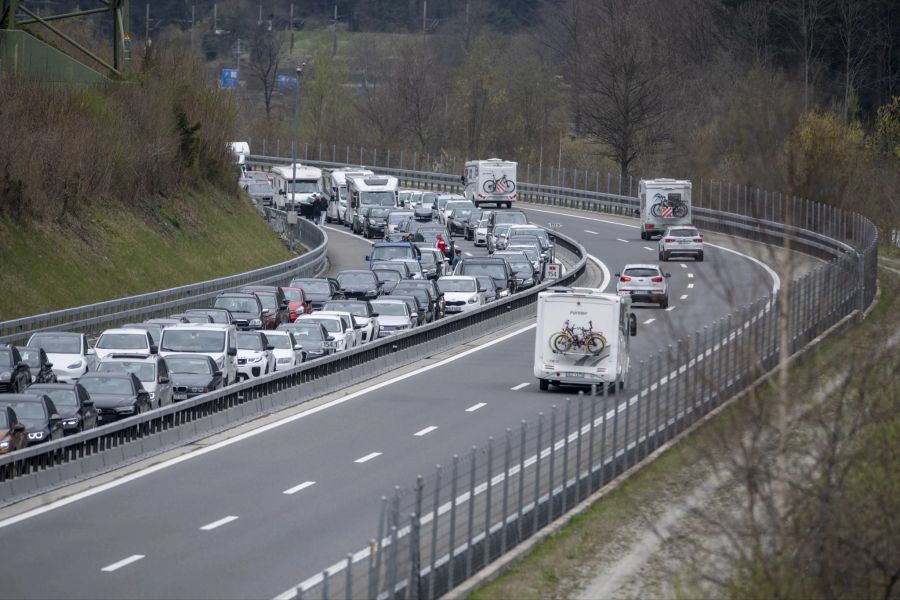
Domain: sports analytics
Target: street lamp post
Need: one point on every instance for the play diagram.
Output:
(294, 143)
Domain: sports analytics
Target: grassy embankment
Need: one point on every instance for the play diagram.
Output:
(207, 234)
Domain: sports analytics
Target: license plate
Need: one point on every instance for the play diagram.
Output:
(684, 242)
(181, 396)
(453, 308)
(576, 375)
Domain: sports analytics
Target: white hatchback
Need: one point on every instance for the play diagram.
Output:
(462, 293)
(287, 351)
(644, 283)
(254, 355)
(681, 241)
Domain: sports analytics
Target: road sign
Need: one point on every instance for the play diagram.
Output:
(286, 82)
(229, 78)
(554, 225)
(553, 270)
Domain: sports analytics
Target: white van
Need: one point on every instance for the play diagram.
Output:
(216, 340)
(370, 190)
(582, 337)
(664, 203)
(335, 183)
(240, 151)
(491, 181)
(295, 184)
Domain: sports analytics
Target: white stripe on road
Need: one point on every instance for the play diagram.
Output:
(690, 285)
(690, 275)
(682, 265)
(670, 309)
(219, 523)
(683, 296)
(621, 240)
(591, 232)
(122, 563)
(648, 248)
(367, 457)
(648, 321)
(467, 253)
(516, 388)
(475, 407)
(297, 488)
(425, 431)
(606, 277)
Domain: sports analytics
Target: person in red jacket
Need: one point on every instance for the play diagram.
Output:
(441, 244)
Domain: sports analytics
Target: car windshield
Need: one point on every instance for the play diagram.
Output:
(494, 270)
(155, 331)
(192, 340)
(456, 285)
(302, 187)
(56, 343)
(683, 232)
(461, 214)
(518, 262)
(216, 316)
(268, 301)
(249, 341)
(346, 279)
(310, 332)
(500, 229)
(331, 325)
(376, 198)
(61, 398)
(379, 213)
(428, 259)
(107, 385)
(144, 371)
(27, 411)
(6, 358)
(32, 358)
(510, 217)
(391, 309)
(391, 252)
(638, 272)
(187, 364)
(259, 188)
(395, 218)
(316, 287)
(282, 342)
(4, 421)
(293, 295)
(486, 282)
(122, 341)
(483, 223)
(386, 275)
(354, 308)
(237, 304)
(530, 252)
(422, 295)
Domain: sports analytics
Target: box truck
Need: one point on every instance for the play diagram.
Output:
(582, 337)
(491, 181)
(664, 203)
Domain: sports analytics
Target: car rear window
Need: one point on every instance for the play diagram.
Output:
(641, 272)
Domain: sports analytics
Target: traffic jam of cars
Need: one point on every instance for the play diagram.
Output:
(414, 274)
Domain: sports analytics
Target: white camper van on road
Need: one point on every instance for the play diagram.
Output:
(582, 337)
(369, 190)
(491, 181)
(664, 203)
(335, 182)
(294, 184)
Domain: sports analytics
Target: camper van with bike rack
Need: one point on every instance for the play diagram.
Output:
(335, 183)
(664, 203)
(582, 337)
(491, 181)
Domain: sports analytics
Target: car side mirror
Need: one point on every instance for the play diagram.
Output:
(232, 352)
(632, 325)
(270, 347)
(357, 327)
(618, 274)
(367, 258)
(282, 193)
(330, 338)
(91, 352)
(217, 373)
(87, 403)
(55, 417)
(49, 365)
(164, 380)
(21, 365)
(374, 314)
(18, 428)
(285, 303)
(298, 346)
(154, 349)
(637, 212)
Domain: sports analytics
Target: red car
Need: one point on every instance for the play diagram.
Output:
(297, 304)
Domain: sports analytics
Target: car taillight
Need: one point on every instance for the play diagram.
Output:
(670, 240)
(657, 279)
(624, 278)
(698, 239)
(648, 226)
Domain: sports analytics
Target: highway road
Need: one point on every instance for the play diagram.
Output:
(253, 516)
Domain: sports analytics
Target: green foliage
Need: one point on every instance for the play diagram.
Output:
(886, 140)
(188, 139)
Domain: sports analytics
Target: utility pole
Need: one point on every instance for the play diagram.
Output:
(334, 31)
(192, 27)
(215, 18)
(147, 25)
(259, 19)
(296, 141)
(424, 16)
(291, 25)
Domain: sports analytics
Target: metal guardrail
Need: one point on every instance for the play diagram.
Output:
(94, 318)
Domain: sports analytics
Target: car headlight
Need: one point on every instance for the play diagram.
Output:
(255, 323)
(473, 300)
(125, 410)
(70, 422)
(75, 365)
(255, 359)
(5, 375)
(152, 395)
(503, 293)
(199, 389)
(37, 435)
(4, 444)
(529, 281)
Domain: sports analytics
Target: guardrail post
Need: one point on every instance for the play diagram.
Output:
(471, 525)
(565, 482)
(580, 424)
(434, 532)
(373, 581)
(453, 481)
(392, 573)
(505, 513)
(521, 482)
(348, 582)
(412, 590)
(552, 482)
(486, 557)
(325, 584)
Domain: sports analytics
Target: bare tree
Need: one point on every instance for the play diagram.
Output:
(853, 14)
(418, 91)
(266, 53)
(803, 20)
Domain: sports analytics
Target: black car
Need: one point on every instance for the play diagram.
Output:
(312, 336)
(38, 364)
(431, 286)
(433, 263)
(359, 284)
(470, 224)
(388, 277)
(429, 235)
(497, 268)
(116, 395)
(432, 311)
(457, 219)
(192, 375)
(74, 403)
(15, 375)
(374, 221)
(194, 317)
(415, 306)
(521, 266)
(506, 217)
(38, 413)
(401, 268)
(245, 308)
(318, 291)
(218, 315)
(275, 305)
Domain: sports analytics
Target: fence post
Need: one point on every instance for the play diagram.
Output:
(434, 531)
(590, 486)
(487, 502)
(373, 581)
(615, 438)
(453, 478)
(348, 583)
(637, 417)
(537, 474)
(602, 481)
(521, 481)
(325, 584)
(471, 527)
(412, 589)
(578, 447)
(552, 485)
(392, 575)
(566, 435)
(671, 390)
(505, 512)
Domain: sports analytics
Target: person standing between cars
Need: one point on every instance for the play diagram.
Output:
(314, 209)
(457, 256)
(441, 244)
(322, 203)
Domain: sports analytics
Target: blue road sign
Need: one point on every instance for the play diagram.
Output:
(286, 82)
(229, 78)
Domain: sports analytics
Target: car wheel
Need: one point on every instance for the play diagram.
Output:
(665, 256)
(664, 303)
(544, 385)
(643, 235)
(661, 258)
(700, 257)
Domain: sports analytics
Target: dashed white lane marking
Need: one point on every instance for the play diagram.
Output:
(591, 232)
(621, 240)
(475, 407)
(425, 431)
(690, 285)
(122, 563)
(297, 488)
(648, 321)
(683, 266)
(648, 248)
(219, 523)
(670, 309)
(683, 296)
(467, 253)
(516, 388)
(690, 275)
(367, 457)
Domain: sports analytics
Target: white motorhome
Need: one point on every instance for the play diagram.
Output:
(664, 203)
(370, 190)
(491, 181)
(294, 184)
(335, 183)
(241, 151)
(582, 337)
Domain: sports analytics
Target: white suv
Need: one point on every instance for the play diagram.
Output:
(644, 283)
(681, 241)
(254, 355)
(151, 369)
(135, 341)
(287, 351)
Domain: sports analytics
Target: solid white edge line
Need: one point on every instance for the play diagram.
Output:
(425, 431)
(516, 388)
(249, 434)
(606, 276)
(367, 457)
(122, 563)
(219, 523)
(591, 232)
(297, 488)
(475, 407)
